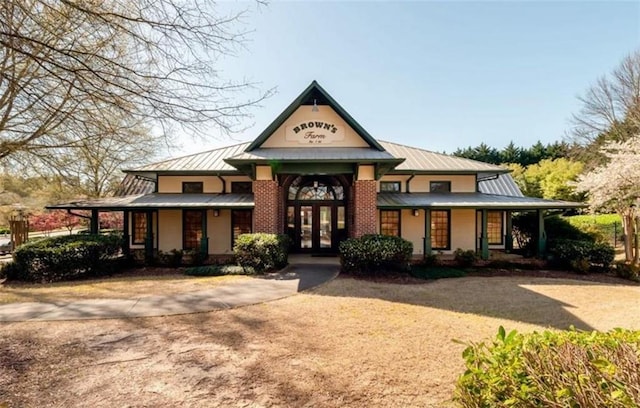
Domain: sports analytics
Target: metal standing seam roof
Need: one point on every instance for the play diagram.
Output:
(160, 200)
(211, 160)
(316, 153)
(422, 160)
(502, 185)
(469, 200)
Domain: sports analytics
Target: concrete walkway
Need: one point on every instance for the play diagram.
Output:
(301, 274)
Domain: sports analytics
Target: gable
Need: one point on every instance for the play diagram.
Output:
(306, 128)
(313, 105)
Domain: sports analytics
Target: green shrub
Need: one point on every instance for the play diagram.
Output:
(5, 230)
(581, 255)
(525, 231)
(218, 270)
(436, 272)
(262, 252)
(464, 259)
(375, 255)
(171, 258)
(627, 271)
(67, 257)
(429, 260)
(552, 369)
(12, 271)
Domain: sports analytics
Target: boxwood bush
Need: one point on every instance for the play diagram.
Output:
(375, 255)
(65, 257)
(552, 369)
(581, 256)
(262, 252)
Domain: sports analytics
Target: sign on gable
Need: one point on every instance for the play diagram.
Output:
(314, 132)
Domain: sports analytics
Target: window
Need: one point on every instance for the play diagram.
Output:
(241, 187)
(440, 186)
(192, 187)
(192, 229)
(440, 229)
(139, 226)
(390, 222)
(240, 223)
(389, 186)
(494, 227)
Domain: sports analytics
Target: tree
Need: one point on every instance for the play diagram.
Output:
(68, 64)
(614, 186)
(510, 154)
(610, 110)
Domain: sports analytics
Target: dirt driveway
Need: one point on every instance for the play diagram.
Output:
(348, 343)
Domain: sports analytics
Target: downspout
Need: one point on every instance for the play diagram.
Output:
(409, 182)
(224, 183)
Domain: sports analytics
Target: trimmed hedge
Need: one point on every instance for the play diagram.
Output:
(64, 258)
(375, 255)
(218, 270)
(580, 256)
(262, 252)
(552, 369)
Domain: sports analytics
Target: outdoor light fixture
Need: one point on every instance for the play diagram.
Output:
(315, 106)
(416, 212)
(216, 213)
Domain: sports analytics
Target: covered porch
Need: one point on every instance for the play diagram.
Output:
(491, 227)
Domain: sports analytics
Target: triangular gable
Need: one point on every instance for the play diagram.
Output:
(314, 95)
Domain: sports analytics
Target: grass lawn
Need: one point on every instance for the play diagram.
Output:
(117, 287)
(348, 343)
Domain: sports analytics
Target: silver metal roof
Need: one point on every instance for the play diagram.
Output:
(424, 160)
(469, 200)
(212, 160)
(416, 160)
(158, 200)
(133, 185)
(502, 185)
(315, 153)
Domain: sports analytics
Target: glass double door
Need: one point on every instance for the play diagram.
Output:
(316, 227)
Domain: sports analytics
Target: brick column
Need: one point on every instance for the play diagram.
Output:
(265, 212)
(364, 207)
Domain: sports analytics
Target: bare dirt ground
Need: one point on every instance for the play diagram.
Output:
(349, 343)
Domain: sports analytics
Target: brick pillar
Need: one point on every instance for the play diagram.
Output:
(281, 210)
(364, 207)
(265, 212)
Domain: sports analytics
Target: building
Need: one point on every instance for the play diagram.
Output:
(317, 175)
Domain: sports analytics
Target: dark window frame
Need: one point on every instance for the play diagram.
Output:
(233, 224)
(501, 224)
(242, 186)
(391, 183)
(440, 182)
(185, 214)
(188, 185)
(383, 221)
(136, 230)
(448, 246)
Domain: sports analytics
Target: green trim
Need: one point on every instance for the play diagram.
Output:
(508, 245)
(542, 235)
(427, 232)
(314, 89)
(484, 239)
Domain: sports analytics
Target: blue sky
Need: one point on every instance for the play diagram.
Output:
(436, 75)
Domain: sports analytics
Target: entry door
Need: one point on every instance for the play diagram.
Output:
(316, 227)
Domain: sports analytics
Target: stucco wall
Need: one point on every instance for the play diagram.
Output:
(459, 183)
(304, 114)
(219, 232)
(463, 229)
(170, 226)
(412, 229)
(173, 184)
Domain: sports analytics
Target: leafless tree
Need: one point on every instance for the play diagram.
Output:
(67, 67)
(610, 109)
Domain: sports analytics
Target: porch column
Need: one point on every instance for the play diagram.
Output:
(484, 239)
(148, 241)
(265, 194)
(204, 242)
(508, 238)
(126, 238)
(542, 235)
(94, 225)
(427, 231)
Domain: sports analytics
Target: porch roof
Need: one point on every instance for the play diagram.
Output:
(469, 200)
(159, 200)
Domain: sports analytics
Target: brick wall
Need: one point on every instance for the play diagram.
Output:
(266, 211)
(365, 217)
